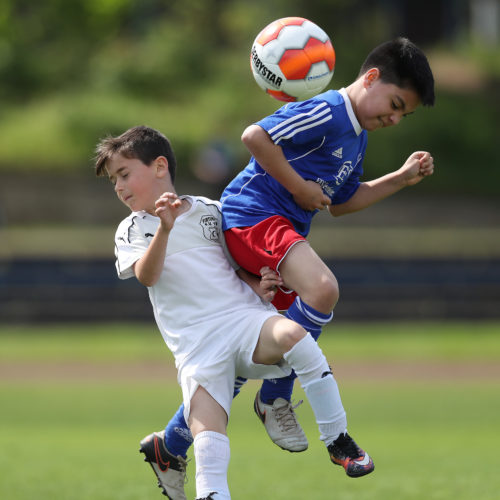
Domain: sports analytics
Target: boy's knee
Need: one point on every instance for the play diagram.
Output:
(324, 295)
(332, 292)
(295, 333)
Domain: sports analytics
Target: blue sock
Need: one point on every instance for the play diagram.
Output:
(178, 437)
(313, 322)
(238, 384)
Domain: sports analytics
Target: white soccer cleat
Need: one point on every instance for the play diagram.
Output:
(169, 469)
(281, 424)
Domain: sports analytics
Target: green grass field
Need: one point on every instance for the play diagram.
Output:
(75, 436)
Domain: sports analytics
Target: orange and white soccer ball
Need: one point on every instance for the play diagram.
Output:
(292, 59)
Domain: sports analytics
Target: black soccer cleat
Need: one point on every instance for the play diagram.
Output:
(169, 469)
(345, 452)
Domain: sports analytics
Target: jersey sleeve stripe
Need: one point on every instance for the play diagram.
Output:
(305, 127)
(295, 121)
(309, 119)
(296, 117)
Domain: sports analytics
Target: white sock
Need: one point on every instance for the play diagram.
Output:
(211, 453)
(324, 397)
(321, 389)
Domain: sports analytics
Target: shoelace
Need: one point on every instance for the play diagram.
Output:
(286, 417)
(183, 464)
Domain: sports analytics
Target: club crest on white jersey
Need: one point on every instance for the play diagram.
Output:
(210, 226)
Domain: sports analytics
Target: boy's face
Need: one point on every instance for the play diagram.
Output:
(383, 104)
(136, 184)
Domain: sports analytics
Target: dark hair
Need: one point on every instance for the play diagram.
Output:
(143, 143)
(402, 63)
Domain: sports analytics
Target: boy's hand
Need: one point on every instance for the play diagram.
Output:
(419, 165)
(269, 282)
(167, 209)
(311, 197)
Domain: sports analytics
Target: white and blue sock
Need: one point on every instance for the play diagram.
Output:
(312, 321)
(306, 316)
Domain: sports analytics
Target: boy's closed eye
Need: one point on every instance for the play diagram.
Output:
(121, 172)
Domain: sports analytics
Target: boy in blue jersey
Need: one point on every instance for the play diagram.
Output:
(307, 157)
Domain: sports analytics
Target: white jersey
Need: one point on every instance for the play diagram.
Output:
(202, 308)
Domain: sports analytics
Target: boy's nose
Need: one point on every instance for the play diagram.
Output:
(396, 118)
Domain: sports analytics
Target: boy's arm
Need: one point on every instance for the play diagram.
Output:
(149, 267)
(419, 165)
(307, 194)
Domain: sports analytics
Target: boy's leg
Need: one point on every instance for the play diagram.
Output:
(303, 271)
(304, 355)
(323, 395)
(170, 446)
(208, 421)
(273, 401)
(178, 437)
(274, 242)
(313, 322)
(281, 337)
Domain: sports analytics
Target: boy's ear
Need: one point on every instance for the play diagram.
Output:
(370, 77)
(161, 166)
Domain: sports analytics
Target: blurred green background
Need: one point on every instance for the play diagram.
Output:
(72, 72)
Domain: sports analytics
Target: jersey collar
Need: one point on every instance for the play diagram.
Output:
(350, 112)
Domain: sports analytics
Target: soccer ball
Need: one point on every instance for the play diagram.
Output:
(292, 59)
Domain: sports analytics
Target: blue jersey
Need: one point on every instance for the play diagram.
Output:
(322, 140)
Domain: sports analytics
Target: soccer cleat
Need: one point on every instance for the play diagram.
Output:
(169, 469)
(210, 497)
(345, 452)
(281, 424)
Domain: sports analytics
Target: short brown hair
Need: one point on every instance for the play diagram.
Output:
(143, 143)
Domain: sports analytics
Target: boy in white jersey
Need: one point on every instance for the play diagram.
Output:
(215, 324)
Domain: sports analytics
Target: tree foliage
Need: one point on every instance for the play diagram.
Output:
(74, 70)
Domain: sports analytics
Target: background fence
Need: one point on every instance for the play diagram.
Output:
(65, 290)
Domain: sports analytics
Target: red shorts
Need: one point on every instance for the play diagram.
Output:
(265, 244)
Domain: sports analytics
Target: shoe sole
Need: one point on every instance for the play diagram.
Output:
(360, 473)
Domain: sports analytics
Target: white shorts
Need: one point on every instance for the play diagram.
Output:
(216, 364)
